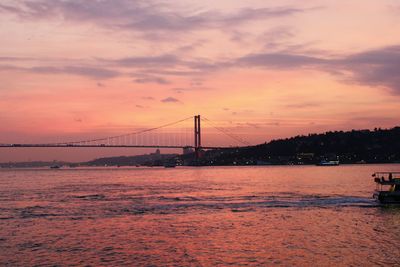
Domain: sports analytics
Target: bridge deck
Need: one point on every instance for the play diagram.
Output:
(102, 146)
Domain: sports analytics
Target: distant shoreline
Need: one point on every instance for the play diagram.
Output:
(154, 167)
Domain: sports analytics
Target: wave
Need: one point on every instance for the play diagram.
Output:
(102, 205)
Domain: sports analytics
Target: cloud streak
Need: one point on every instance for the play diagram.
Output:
(152, 79)
(379, 67)
(90, 72)
(140, 15)
(279, 61)
(144, 61)
(170, 100)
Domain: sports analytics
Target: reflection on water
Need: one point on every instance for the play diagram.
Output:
(301, 215)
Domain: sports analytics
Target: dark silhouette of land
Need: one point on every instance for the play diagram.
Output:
(152, 159)
(356, 146)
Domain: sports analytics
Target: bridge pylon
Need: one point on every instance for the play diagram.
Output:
(197, 135)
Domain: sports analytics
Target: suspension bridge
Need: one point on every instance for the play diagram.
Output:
(149, 138)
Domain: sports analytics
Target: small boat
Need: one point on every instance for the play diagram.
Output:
(170, 164)
(328, 163)
(387, 187)
(55, 167)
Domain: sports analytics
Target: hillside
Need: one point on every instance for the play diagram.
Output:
(356, 146)
(153, 159)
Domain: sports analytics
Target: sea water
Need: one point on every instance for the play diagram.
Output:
(200, 216)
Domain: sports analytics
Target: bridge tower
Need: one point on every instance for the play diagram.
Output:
(197, 135)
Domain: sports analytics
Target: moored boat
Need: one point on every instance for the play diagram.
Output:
(170, 164)
(387, 187)
(328, 163)
(55, 166)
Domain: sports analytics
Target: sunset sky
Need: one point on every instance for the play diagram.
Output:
(73, 69)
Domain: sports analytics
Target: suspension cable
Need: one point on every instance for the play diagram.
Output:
(123, 135)
(236, 138)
